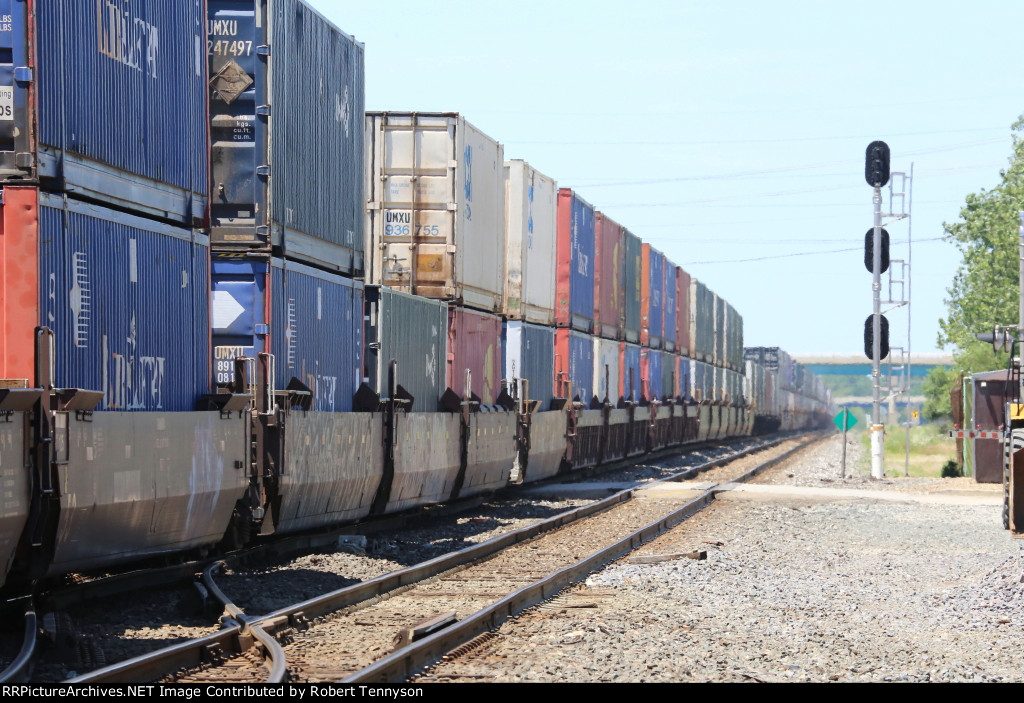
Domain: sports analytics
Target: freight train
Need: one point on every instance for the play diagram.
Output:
(235, 304)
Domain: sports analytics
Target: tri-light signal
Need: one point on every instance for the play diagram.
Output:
(876, 164)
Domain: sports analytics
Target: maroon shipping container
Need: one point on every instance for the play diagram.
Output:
(682, 312)
(610, 310)
(474, 343)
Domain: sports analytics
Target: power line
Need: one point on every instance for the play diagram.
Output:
(800, 253)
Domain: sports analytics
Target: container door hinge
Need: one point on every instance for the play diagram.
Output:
(263, 231)
(263, 110)
(263, 171)
(25, 159)
(23, 74)
(263, 50)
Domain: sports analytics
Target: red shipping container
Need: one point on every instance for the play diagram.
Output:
(19, 284)
(474, 343)
(610, 311)
(682, 312)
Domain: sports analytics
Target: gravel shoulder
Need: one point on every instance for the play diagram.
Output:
(822, 591)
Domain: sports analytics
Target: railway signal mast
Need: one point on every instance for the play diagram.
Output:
(876, 328)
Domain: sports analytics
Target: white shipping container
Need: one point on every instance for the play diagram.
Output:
(435, 218)
(531, 208)
(607, 356)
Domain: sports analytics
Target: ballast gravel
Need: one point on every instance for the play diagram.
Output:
(791, 590)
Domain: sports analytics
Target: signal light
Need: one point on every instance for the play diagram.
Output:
(869, 338)
(869, 251)
(876, 164)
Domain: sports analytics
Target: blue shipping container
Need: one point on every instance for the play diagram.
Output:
(529, 353)
(669, 318)
(317, 332)
(683, 374)
(651, 364)
(575, 244)
(286, 106)
(581, 364)
(107, 100)
(656, 320)
(127, 299)
(314, 328)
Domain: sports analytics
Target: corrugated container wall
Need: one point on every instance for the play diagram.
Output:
(718, 355)
(702, 322)
(650, 372)
(733, 339)
(609, 284)
(631, 382)
(632, 276)
(702, 381)
(317, 332)
(669, 325)
(413, 332)
(436, 213)
(474, 344)
(669, 388)
(683, 378)
(287, 93)
(574, 292)
(652, 297)
(529, 352)
(574, 363)
(107, 100)
(682, 312)
(127, 299)
(607, 368)
(530, 220)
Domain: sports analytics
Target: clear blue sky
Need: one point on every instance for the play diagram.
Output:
(731, 135)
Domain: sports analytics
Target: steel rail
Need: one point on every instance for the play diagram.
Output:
(273, 649)
(234, 639)
(400, 665)
(19, 669)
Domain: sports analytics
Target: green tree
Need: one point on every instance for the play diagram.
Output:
(985, 288)
(937, 385)
(984, 291)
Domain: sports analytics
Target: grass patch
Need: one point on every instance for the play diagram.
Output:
(930, 450)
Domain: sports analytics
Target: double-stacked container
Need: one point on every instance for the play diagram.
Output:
(107, 101)
(529, 355)
(682, 321)
(310, 320)
(632, 277)
(652, 297)
(609, 284)
(125, 296)
(671, 300)
(287, 133)
(702, 322)
(530, 226)
(607, 369)
(631, 382)
(413, 332)
(574, 282)
(574, 364)
(435, 211)
(474, 354)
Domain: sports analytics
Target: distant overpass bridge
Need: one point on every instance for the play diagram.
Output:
(859, 365)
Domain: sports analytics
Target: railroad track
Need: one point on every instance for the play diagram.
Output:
(387, 628)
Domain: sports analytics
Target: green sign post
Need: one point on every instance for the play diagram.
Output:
(844, 420)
